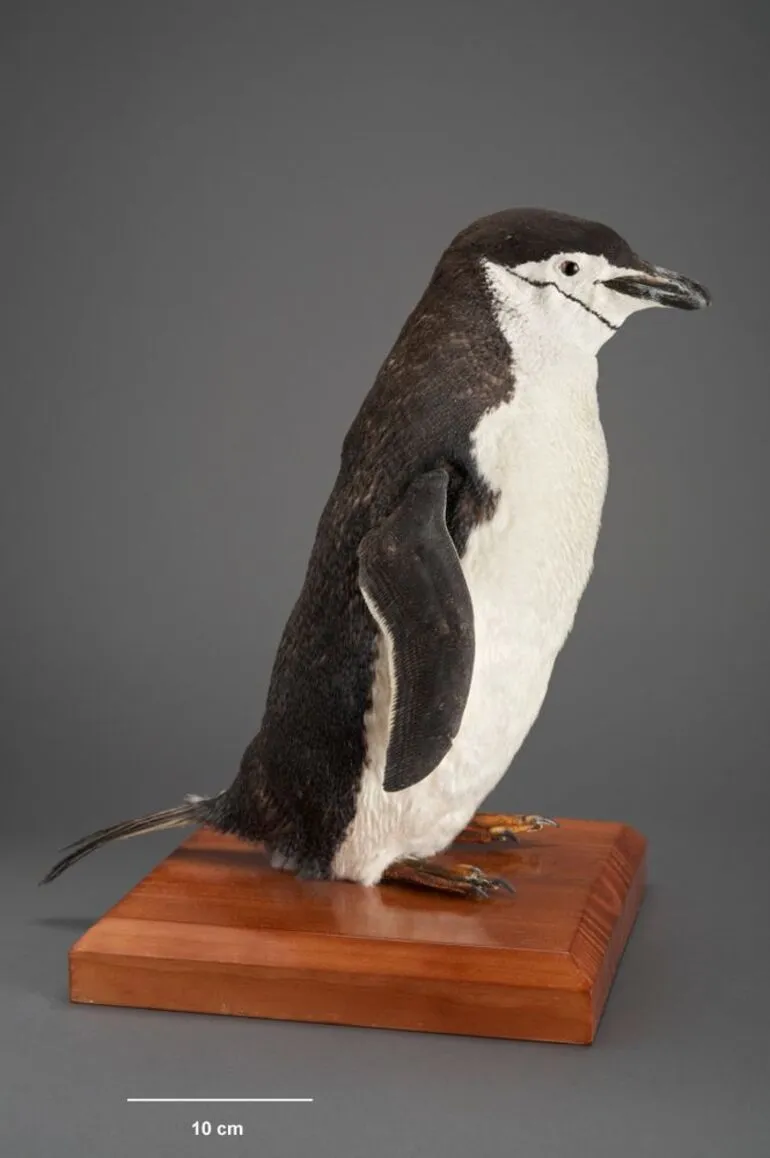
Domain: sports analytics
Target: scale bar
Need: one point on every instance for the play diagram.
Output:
(220, 1099)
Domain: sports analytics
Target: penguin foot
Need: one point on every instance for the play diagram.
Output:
(464, 880)
(501, 827)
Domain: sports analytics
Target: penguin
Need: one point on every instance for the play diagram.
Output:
(447, 566)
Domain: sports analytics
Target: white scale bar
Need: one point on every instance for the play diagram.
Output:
(219, 1099)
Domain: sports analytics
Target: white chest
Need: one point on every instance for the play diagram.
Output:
(544, 453)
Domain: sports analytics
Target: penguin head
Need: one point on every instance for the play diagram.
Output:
(578, 280)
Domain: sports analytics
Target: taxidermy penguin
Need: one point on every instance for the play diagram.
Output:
(447, 567)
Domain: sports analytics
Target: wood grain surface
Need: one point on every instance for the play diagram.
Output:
(214, 929)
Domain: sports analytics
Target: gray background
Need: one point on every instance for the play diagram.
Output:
(215, 218)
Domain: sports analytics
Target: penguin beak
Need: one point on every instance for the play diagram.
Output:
(662, 287)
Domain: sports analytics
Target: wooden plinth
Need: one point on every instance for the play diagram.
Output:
(214, 929)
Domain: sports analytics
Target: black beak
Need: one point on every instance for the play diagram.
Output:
(654, 284)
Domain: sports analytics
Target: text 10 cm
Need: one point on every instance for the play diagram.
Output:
(222, 1129)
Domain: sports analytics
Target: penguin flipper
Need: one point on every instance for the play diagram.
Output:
(411, 578)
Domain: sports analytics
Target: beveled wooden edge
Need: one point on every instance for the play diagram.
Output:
(287, 949)
(607, 921)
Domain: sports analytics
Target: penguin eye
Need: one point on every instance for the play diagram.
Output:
(569, 268)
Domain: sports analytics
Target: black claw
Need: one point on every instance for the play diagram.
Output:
(481, 892)
(484, 886)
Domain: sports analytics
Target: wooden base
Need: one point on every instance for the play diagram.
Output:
(214, 929)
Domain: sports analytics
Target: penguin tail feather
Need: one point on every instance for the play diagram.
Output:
(195, 810)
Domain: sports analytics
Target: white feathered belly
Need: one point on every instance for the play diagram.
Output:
(526, 570)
